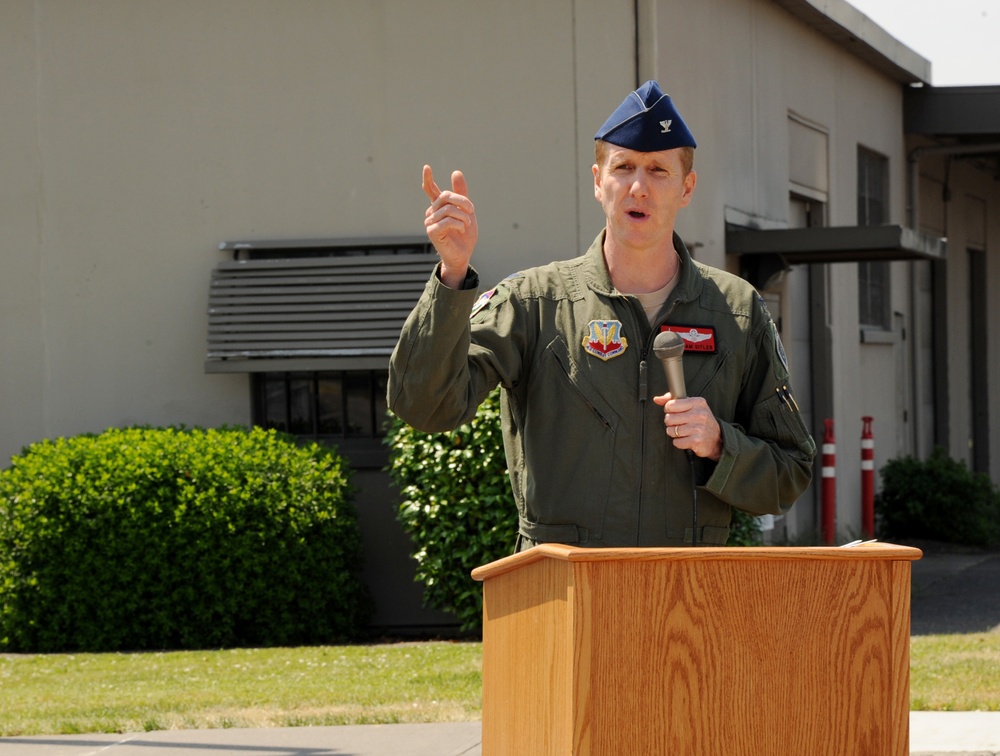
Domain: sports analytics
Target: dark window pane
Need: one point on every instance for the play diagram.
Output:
(381, 408)
(873, 200)
(301, 406)
(275, 401)
(357, 387)
(330, 405)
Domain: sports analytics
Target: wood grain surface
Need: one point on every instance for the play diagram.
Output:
(726, 651)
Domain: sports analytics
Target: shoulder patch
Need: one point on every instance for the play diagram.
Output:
(494, 298)
(483, 300)
(779, 348)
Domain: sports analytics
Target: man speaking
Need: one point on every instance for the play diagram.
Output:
(600, 453)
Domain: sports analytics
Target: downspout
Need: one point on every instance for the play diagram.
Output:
(644, 12)
(637, 42)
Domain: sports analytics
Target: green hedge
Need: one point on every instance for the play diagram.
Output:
(458, 508)
(938, 499)
(146, 538)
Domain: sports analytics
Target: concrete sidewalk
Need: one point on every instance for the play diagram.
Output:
(931, 734)
(451, 739)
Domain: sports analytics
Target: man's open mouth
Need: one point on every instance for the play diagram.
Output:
(636, 214)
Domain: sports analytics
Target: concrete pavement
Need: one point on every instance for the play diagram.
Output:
(953, 591)
(450, 739)
(932, 733)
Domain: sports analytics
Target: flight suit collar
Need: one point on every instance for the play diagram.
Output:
(688, 284)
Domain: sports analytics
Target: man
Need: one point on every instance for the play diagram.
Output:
(599, 453)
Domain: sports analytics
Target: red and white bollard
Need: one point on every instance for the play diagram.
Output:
(867, 478)
(829, 493)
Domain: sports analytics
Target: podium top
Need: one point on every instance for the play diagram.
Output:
(556, 551)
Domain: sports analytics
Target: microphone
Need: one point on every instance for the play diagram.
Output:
(669, 350)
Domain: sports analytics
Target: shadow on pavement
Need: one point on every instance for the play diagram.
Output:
(955, 589)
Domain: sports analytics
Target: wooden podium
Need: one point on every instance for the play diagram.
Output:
(698, 651)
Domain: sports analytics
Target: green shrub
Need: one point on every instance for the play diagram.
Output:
(148, 538)
(744, 529)
(938, 499)
(458, 508)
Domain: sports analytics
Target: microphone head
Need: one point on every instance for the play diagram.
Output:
(668, 345)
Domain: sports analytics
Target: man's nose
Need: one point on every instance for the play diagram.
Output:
(638, 188)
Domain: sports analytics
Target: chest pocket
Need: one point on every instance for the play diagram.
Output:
(711, 376)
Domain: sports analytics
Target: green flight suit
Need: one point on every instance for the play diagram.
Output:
(590, 462)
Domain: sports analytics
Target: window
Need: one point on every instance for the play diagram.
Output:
(873, 203)
(344, 408)
(314, 322)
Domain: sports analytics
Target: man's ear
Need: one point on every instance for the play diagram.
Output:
(689, 183)
(596, 170)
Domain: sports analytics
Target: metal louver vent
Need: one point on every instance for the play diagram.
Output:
(312, 313)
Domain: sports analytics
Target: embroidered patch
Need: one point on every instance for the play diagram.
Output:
(604, 339)
(779, 347)
(480, 303)
(696, 338)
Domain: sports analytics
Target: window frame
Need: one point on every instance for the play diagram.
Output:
(365, 448)
(874, 276)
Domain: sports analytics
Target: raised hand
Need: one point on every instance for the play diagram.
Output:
(451, 226)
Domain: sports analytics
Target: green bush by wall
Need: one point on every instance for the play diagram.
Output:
(938, 499)
(458, 508)
(146, 538)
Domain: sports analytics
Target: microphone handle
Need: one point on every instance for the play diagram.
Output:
(673, 367)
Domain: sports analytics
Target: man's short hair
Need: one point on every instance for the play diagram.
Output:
(601, 149)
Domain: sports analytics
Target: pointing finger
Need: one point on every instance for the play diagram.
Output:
(431, 189)
(458, 184)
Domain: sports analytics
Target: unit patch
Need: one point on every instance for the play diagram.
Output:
(604, 339)
(779, 347)
(696, 338)
(483, 300)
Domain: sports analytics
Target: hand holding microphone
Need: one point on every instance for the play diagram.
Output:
(689, 421)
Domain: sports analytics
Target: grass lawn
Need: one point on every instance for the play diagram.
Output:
(329, 685)
(955, 672)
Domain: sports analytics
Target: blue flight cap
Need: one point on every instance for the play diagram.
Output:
(646, 121)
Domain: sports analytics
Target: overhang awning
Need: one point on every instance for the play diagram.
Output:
(963, 121)
(837, 244)
(335, 312)
(970, 114)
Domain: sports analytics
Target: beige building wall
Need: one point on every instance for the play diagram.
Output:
(138, 135)
(763, 70)
(964, 202)
(22, 347)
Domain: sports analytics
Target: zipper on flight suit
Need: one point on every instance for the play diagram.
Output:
(647, 347)
(643, 398)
